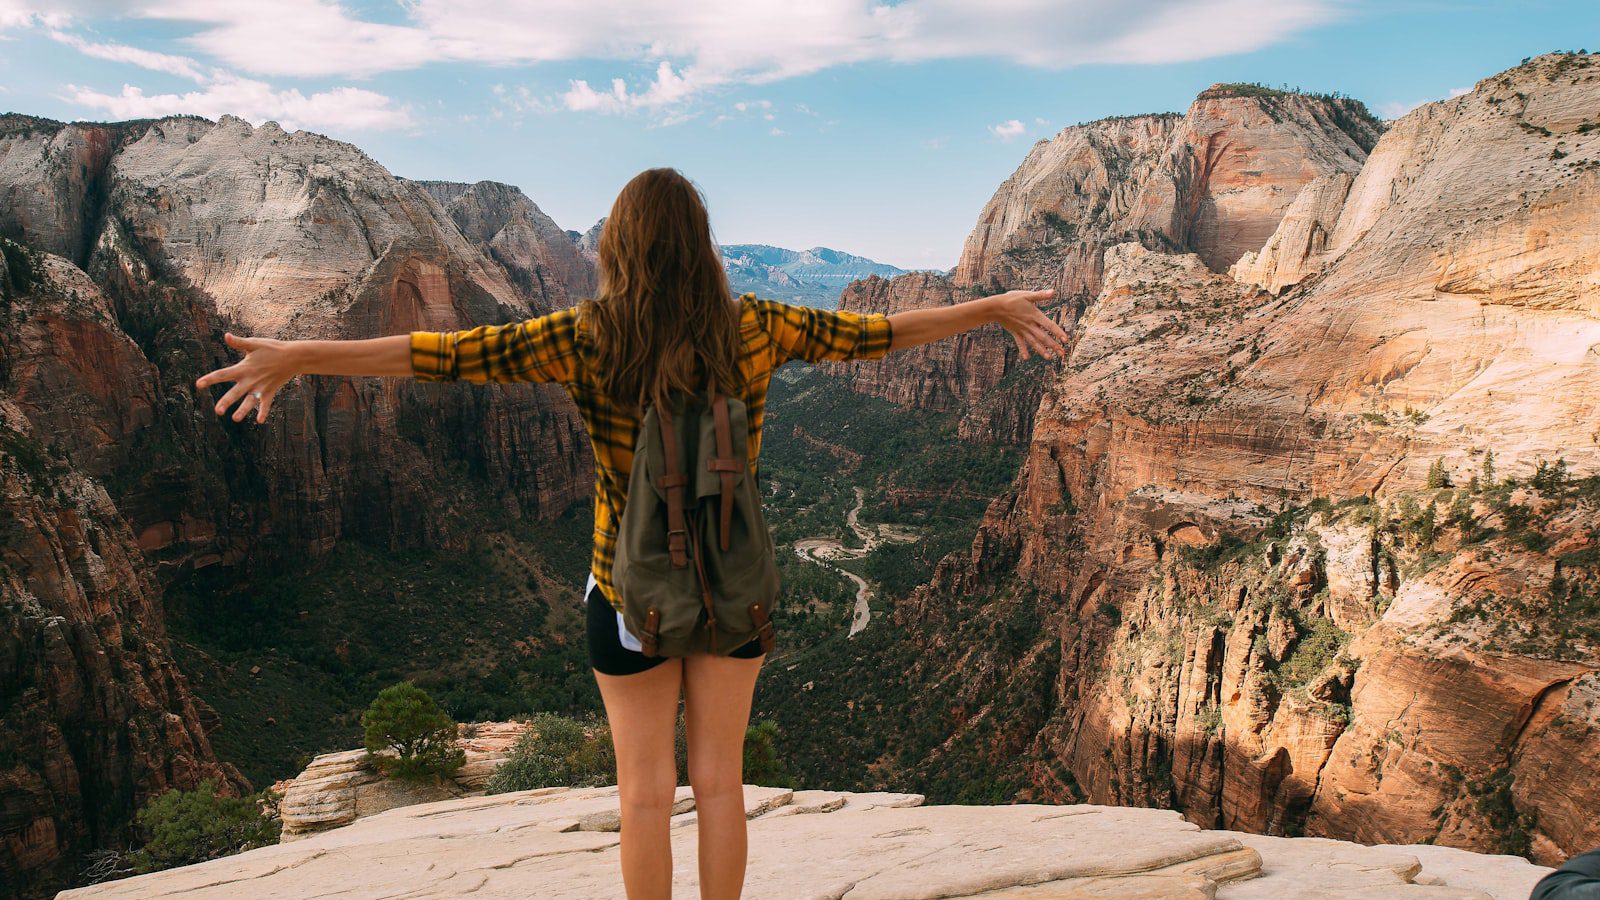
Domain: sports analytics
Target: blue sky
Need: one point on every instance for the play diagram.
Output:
(876, 128)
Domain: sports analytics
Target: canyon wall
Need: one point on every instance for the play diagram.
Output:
(137, 245)
(1307, 558)
(96, 715)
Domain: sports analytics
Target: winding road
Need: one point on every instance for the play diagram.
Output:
(822, 551)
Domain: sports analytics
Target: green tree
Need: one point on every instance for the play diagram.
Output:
(1438, 475)
(1550, 477)
(1428, 525)
(1461, 511)
(1486, 477)
(185, 827)
(761, 763)
(405, 720)
(556, 751)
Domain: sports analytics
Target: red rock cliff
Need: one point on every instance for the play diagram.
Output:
(1409, 652)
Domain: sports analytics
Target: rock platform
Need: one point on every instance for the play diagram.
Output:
(563, 842)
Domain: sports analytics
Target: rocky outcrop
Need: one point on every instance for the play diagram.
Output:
(941, 375)
(541, 258)
(338, 788)
(588, 242)
(560, 842)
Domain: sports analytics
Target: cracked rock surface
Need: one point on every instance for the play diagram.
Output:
(563, 842)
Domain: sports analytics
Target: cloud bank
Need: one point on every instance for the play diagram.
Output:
(689, 48)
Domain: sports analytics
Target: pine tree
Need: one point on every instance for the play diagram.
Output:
(1550, 477)
(1461, 511)
(1486, 478)
(1438, 475)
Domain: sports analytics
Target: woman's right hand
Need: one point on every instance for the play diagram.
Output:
(267, 366)
(1035, 333)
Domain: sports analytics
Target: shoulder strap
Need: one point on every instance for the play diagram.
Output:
(673, 482)
(723, 463)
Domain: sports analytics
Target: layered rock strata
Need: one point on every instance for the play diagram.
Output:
(97, 718)
(338, 788)
(1216, 181)
(161, 235)
(1289, 586)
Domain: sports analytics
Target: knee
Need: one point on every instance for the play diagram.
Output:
(647, 789)
(715, 782)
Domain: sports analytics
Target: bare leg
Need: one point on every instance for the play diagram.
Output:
(717, 691)
(643, 711)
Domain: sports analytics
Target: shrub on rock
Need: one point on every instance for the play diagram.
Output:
(185, 827)
(557, 751)
(404, 720)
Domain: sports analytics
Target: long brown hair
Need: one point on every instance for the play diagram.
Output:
(663, 318)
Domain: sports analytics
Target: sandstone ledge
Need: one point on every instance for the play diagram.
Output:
(561, 842)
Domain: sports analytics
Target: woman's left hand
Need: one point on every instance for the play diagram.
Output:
(267, 366)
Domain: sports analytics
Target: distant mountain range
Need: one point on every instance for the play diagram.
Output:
(814, 277)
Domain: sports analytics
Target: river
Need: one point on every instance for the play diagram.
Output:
(822, 550)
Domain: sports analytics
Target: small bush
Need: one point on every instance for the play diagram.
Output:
(761, 763)
(557, 751)
(186, 827)
(405, 720)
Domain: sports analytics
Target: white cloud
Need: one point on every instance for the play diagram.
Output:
(23, 14)
(668, 89)
(775, 131)
(1009, 130)
(716, 42)
(181, 66)
(344, 108)
(1394, 109)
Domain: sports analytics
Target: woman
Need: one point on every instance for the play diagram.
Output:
(663, 319)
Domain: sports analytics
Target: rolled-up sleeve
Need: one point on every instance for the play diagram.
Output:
(818, 335)
(539, 349)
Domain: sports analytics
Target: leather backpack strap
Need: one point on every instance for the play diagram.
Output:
(724, 464)
(673, 482)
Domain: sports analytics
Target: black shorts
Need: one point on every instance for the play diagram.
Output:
(609, 657)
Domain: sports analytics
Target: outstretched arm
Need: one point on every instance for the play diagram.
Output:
(268, 364)
(1015, 311)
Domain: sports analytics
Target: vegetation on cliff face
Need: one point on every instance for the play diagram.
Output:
(958, 696)
(290, 661)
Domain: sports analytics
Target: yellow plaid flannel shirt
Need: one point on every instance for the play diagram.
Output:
(557, 347)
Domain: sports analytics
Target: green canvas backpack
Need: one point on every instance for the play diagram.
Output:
(695, 564)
